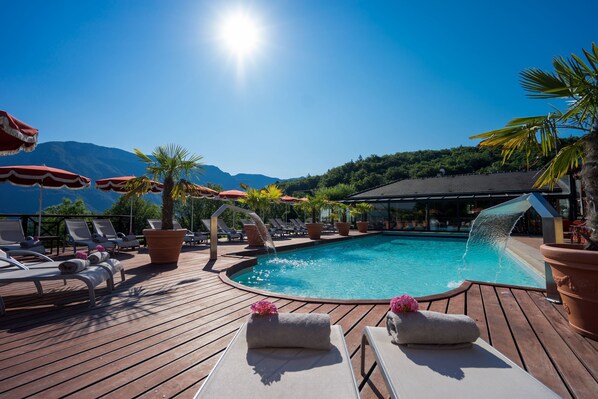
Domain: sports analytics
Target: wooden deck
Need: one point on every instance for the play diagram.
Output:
(160, 332)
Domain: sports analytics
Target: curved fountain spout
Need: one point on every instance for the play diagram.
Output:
(262, 230)
(494, 225)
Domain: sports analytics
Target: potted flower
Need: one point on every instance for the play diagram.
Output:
(173, 166)
(362, 208)
(258, 200)
(314, 205)
(574, 268)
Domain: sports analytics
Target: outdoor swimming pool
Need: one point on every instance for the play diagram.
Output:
(383, 266)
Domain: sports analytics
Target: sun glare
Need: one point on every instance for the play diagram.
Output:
(240, 34)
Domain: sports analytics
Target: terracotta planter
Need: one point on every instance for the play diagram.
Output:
(343, 228)
(164, 245)
(314, 230)
(362, 227)
(253, 236)
(575, 272)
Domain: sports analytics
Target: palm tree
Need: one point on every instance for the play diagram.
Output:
(576, 81)
(173, 166)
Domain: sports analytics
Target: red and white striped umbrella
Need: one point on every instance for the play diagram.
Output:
(203, 192)
(15, 135)
(119, 185)
(43, 177)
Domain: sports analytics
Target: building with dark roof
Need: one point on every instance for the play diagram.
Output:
(450, 203)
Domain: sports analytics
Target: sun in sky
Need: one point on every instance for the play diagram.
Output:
(241, 34)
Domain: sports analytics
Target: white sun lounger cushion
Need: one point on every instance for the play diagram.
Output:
(282, 372)
(479, 371)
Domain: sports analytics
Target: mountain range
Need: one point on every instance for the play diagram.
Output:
(96, 162)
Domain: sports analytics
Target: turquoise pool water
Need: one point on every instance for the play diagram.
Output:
(383, 266)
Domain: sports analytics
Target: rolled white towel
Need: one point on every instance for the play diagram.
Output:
(30, 243)
(289, 330)
(431, 328)
(73, 266)
(98, 257)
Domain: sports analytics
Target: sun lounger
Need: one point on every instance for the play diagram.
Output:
(282, 372)
(232, 233)
(12, 237)
(479, 371)
(104, 228)
(12, 271)
(229, 233)
(79, 235)
(190, 238)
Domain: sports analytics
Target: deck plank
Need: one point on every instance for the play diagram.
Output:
(159, 333)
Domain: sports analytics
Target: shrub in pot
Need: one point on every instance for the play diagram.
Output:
(342, 226)
(575, 269)
(314, 205)
(362, 209)
(173, 166)
(259, 201)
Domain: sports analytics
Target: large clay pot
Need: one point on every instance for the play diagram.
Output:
(314, 230)
(164, 245)
(343, 228)
(575, 273)
(362, 227)
(254, 239)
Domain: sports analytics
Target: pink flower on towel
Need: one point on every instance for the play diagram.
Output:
(100, 248)
(264, 308)
(81, 255)
(403, 304)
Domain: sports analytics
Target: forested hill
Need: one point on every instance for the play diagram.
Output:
(377, 170)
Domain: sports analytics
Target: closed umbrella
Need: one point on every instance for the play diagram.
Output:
(119, 185)
(198, 191)
(15, 135)
(43, 177)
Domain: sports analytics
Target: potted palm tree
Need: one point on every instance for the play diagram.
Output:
(259, 201)
(575, 268)
(362, 208)
(314, 205)
(340, 211)
(173, 166)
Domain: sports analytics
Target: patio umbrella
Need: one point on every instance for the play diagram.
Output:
(201, 192)
(119, 185)
(233, 195)
(43, 177)
(15, 135)
(287, 199)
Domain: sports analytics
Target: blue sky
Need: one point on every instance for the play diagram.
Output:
(331, 80)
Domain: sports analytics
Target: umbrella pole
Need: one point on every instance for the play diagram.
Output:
(39, 216)
(131, 217)
(191, 214)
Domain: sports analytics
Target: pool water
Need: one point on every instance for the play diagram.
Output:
(384, 266)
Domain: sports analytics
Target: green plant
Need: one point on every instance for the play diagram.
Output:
(172, 165)
(313, 205)
(362, 209)
(575, 81)
(142, 210)
(260, 200)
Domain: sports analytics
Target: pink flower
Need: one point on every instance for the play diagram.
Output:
(264, 308)
(100, 248)
(403, 304)
(81, 255)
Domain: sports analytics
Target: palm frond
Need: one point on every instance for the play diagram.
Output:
(567, 159)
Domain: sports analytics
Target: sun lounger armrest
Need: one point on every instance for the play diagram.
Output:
(22, 252)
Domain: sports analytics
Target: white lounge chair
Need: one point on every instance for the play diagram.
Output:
(79, 235)
(479, 371)
(104, 228)
(12, 235)
(12, 271)
(282, 372)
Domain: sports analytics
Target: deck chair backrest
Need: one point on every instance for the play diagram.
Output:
(223, 226)
(78, 229)
(104, 228)
(11, 231)
(155, 223)
(206, 223)
(176, 225)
